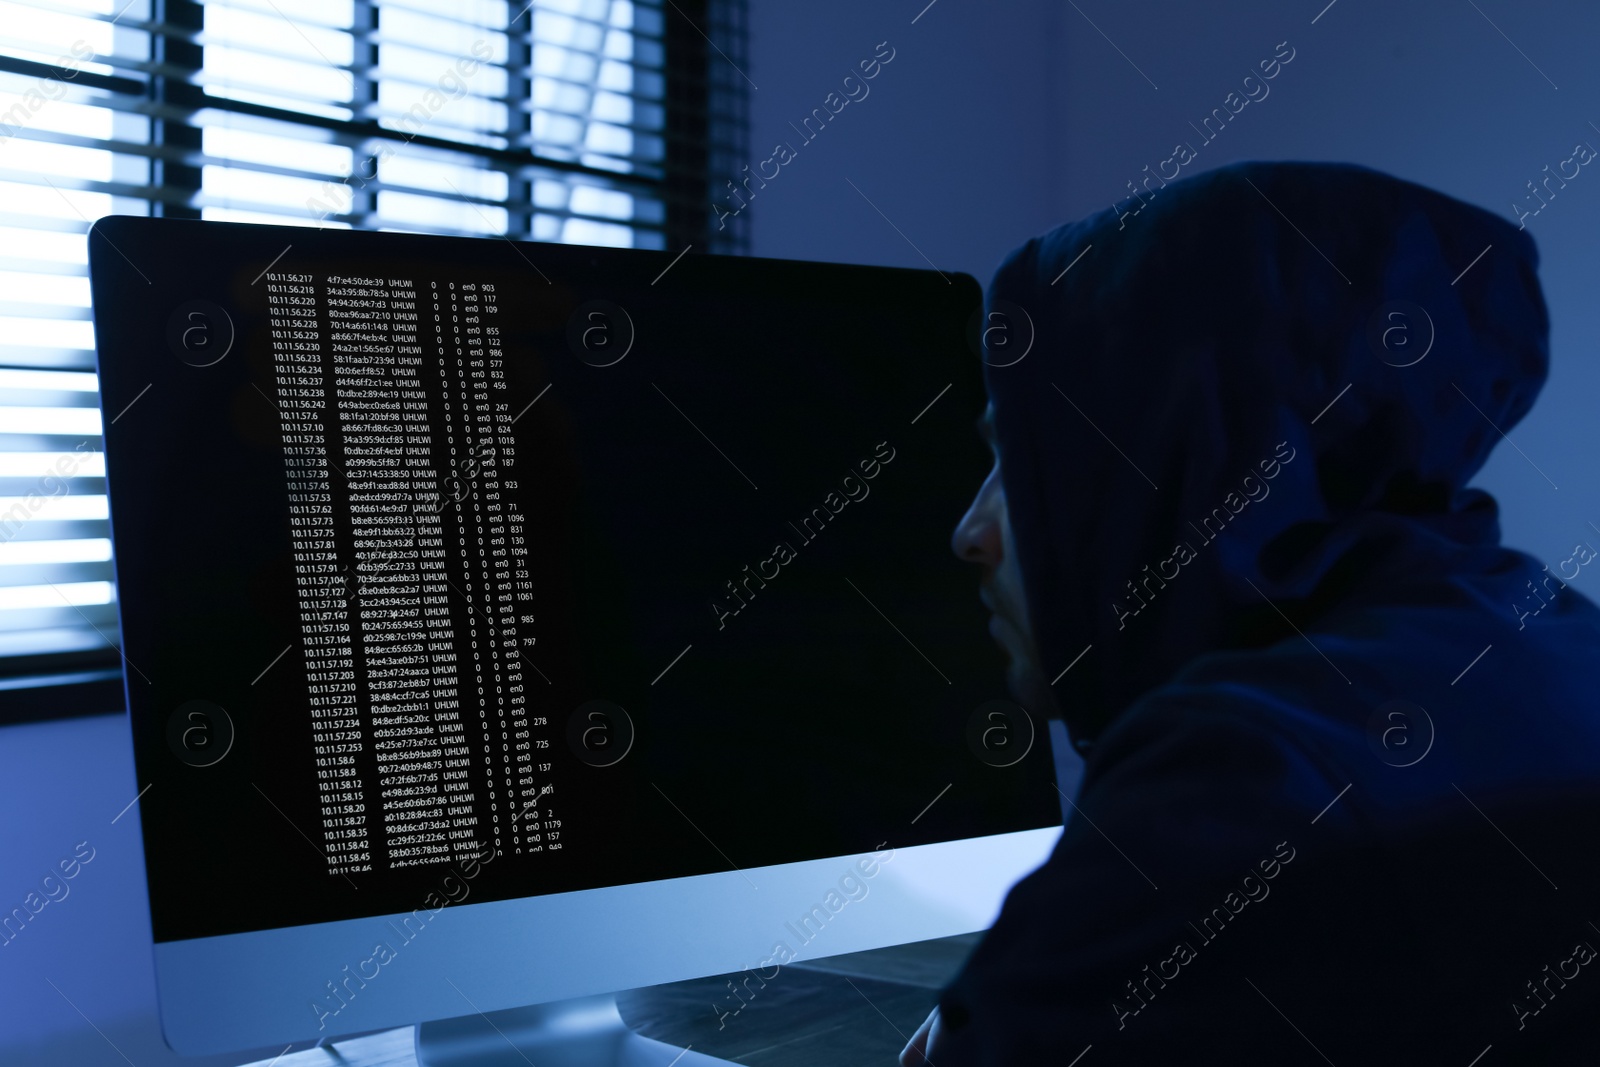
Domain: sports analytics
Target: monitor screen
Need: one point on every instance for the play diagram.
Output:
(576, 566)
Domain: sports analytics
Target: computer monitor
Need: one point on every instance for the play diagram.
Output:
(509, 624)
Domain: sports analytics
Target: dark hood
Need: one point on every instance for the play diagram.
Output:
(1213, 443)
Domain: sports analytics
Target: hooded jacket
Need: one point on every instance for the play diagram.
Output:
(1341, 746)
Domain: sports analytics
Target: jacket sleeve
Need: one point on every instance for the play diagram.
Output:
(1193, 813)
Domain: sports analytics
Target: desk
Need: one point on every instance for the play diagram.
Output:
(858, 1008)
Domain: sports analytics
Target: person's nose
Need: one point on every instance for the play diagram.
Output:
(977, 536)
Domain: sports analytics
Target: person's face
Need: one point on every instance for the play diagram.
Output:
(983, 536)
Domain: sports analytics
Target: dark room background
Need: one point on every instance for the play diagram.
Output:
(992, 122)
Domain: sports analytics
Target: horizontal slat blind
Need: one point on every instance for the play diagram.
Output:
(66, 158)
(543, 121)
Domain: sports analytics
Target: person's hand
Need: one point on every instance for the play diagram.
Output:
(925, 1044)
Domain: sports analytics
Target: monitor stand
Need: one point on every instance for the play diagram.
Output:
(581, 1032)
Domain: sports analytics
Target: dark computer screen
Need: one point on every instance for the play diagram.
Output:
(602, 566)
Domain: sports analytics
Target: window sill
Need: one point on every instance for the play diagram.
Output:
(61, 695)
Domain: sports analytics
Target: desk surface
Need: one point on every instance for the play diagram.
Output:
(858, 1008)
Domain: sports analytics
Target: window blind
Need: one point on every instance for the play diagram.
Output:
(578, 121)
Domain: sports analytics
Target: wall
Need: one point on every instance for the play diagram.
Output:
(956, 146)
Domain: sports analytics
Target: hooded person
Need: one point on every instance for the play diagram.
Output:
(1340, 746)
